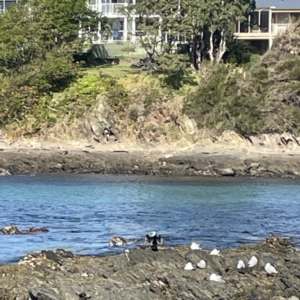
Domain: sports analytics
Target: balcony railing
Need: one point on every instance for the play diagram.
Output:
(279, 28)
(111, 9)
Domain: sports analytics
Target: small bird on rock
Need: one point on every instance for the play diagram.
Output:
(217, 278)
(270, 269)
(154, 240)
(195, 246)
(189, 267)
(201, 264)
(252, 262)
(215, 252)
(241, 265)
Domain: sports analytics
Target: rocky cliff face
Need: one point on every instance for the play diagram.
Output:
(164, 126)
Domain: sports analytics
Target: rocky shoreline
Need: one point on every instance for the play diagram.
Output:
(190, 163)
(145, 274)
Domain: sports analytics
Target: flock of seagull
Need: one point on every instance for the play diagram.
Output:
(154, 240)
(240, 265)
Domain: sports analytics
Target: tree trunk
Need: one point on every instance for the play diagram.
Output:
(222, 47)
(195, 55)
(211, 47)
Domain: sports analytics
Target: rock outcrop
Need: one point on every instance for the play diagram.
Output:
(214, 164)
(145, 274)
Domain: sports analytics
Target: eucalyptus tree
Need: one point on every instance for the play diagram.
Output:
(222, 16)
(204, 24)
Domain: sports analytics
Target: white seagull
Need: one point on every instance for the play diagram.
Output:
(217, 278)
(241, 264)
(201, 264)
(195, 246)
(215, 252)
(189, 267)
(270, 269)
(252, 262)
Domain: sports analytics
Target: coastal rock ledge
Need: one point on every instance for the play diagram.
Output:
(144, 274)
(212, 164)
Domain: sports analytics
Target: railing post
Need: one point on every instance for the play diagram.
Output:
(270, 28)
(249, 20)
(125, 27)
(133, 29)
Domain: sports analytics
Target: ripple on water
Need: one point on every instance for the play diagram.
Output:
(84, 211)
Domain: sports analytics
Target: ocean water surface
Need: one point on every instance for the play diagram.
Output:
(83, 211)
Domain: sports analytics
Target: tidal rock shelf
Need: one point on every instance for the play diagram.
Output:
(155, 275)
(211, 164)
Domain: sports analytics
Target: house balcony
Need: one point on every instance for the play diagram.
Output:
(261, 33)
(265, 24)
(109, 9)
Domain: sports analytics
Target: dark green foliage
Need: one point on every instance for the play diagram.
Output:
(82, 95)
(203, 26)
(239, 52)
(221, 103)
(37, 40)
(175, 69)
(264, 100)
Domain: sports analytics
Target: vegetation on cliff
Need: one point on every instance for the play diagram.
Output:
(41, 88)
(264, 99)
(37, 41)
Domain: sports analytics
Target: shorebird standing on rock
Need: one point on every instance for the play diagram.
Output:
(189, 267)
(241, 265)
(154, 240)
(270, 269)
(215, 252)
(201, 264)
(252, 262)
(217, 278)
(195, 246)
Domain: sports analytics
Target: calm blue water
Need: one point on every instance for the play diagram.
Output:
(84, 211)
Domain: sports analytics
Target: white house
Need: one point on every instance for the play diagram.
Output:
(270, 18)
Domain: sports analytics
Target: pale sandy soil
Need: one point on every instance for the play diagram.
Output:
(165, 150)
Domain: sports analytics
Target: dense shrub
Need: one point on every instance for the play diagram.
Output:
(264, 100)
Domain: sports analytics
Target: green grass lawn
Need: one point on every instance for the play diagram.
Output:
(115, 70)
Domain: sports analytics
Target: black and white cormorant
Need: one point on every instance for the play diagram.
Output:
(154, 240)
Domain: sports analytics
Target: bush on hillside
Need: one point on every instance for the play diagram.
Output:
(264, 100)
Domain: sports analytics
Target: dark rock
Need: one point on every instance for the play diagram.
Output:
(192, 164)
(144, 274)
(43, 295)
(227, 172)
(13, 229)
(83, 296)
(51, 256)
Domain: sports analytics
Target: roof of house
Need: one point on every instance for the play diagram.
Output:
(279, 4)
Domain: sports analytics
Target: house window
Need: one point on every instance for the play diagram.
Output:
(9, 4)
(264, 21)
(254, 18)
(295, 17)
(282, 18)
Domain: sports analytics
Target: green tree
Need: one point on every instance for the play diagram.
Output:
(204, 25)
(37, 42)
(30, 29)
